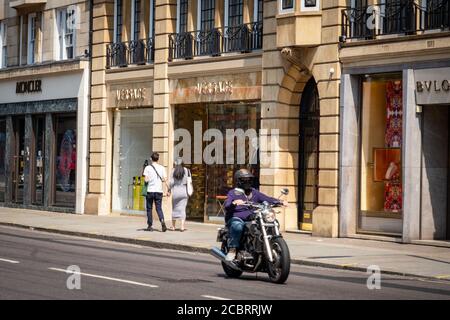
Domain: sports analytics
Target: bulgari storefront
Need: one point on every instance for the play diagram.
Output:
(395, 155)
(205, 109)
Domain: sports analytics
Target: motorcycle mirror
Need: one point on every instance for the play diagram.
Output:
(285, 191)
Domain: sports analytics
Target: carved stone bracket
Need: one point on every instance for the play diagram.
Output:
(293, 55)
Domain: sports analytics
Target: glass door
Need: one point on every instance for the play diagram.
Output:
(18, 177)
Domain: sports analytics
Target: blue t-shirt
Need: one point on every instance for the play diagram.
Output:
(244, 211)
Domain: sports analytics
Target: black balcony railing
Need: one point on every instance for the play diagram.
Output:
(400, 17)
(243, 38)
(122, 54)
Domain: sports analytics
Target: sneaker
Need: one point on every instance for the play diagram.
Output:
(164, 228)
(149, 229)
(231, 255)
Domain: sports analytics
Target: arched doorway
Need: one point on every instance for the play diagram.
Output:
(308, 169)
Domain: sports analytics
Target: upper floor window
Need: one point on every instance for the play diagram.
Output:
(235, 12)
(118, 21)
(66, 34)
(152, 19)
(258, 11)
(207, 15)
(183, 7)
(31, 48)
(310, 5)
(3, 44)
(286, 6)
(136, 20)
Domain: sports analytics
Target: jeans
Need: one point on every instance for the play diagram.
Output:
(236, 227)
(157, 197)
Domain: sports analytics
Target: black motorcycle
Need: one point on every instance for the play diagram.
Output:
(262, 248)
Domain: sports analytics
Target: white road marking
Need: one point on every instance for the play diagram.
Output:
(214, 297)
(106, 278)
(9, 261)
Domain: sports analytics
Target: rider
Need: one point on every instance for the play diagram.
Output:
(236, 210)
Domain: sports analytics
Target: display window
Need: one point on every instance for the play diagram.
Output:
(65, 161)
(381, 197)
(213, 181)
(133, 135)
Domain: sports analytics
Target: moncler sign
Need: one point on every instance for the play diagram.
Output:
(31, 86)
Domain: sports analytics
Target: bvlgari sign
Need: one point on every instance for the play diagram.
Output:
(432, 86)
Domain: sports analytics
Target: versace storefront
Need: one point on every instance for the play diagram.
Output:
(130, 106)
(43, 141)
(206, 109)
(395, 156)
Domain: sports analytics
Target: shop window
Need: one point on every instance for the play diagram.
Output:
(65, 160)
(133, 137)
(381, 154)
(2, 159)
(213, 181)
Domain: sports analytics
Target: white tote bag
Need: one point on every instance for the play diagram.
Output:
(189, 186)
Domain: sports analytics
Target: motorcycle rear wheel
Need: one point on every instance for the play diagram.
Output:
(279, 269)
(230, 272)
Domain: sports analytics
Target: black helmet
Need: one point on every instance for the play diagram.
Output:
(244, 179)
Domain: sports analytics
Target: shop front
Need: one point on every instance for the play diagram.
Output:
(221, 116)
(132, 113)
(41, 143)
(395, 152)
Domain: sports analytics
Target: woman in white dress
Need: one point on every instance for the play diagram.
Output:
(178, 189)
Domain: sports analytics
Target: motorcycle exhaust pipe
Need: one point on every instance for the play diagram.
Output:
(216, 252)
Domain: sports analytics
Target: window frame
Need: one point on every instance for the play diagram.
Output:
(287, 10)
(304, 8)
(62, 28)
(3, 44)
(181, 5)
(31, 38)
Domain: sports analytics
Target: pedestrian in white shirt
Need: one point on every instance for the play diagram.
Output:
(155, 175)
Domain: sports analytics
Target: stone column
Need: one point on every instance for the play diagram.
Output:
(98, 198)
(411, 155)
(349, 155)
(165, 24)
(9, 160)
(27, 171)
(49, 159)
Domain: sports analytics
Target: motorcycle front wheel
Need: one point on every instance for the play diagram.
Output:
(279, 269)
(230, 272)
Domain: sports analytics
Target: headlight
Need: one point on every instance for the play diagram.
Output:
(269, 217)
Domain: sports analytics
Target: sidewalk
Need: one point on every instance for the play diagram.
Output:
(354, 254)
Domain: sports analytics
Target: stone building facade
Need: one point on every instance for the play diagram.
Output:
(184, 55)
(44, 104)
(394, 120)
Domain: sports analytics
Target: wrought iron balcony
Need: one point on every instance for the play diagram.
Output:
(123, 54)
(401, 17)
(243, 38)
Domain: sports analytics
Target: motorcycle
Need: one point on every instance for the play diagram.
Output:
(262, 248)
